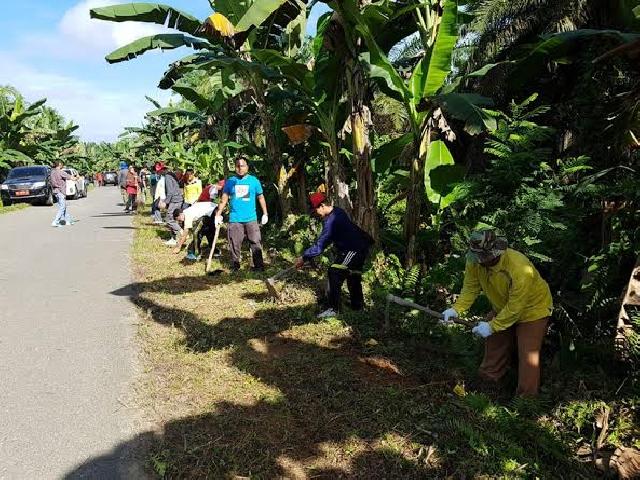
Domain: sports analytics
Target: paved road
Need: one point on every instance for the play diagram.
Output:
(67, 354)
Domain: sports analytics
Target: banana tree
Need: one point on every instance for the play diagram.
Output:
(438, 25)
(228, 36)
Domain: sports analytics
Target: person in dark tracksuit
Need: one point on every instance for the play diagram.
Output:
(352, 245)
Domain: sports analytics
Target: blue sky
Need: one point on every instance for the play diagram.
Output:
(51, 49)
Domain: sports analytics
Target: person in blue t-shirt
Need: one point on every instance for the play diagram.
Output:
(241, 192)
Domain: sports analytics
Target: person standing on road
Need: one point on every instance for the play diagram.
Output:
(241, 192)
(132, 189)
(521, 306)
(352, 246)
(173, 201)
(58, 181)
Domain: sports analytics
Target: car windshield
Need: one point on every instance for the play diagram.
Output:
(27, 172)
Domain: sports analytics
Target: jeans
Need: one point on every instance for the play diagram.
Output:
(155, 211)
(62, 209)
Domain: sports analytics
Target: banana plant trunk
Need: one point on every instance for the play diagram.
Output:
(413, 210)
(364, 214)
(337, 186)
(274, 155)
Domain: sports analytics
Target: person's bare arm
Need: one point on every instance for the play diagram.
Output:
(223, 204)
(181, 240)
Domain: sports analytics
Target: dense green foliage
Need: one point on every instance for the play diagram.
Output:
(532, 131)
(424, 119)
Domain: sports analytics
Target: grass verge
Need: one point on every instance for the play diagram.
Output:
(239, 386)
(13, 208)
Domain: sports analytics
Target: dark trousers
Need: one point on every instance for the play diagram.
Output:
(131, 202)
(236, 233)
(347, 266)
(204, 227)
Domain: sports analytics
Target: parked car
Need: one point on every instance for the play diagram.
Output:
(110, 178)
(76, 188)
(27, 184)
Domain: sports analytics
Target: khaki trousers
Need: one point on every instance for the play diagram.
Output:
(498, 349)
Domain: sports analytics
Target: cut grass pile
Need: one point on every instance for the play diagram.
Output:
(242, 387)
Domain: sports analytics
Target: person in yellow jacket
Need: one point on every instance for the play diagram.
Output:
(521, 306)
(192, 187)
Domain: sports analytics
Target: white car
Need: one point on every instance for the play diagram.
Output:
(75, 188)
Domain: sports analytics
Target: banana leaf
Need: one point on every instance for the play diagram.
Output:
(468, 107)
(381, 69)
(298, 72)
(559, 45)
(257, 13)
(388, 154)
(438, 155)
(174, 111)
(438, 58)
(234, 10)
(179, 68)
(149, 13)
(165, 41)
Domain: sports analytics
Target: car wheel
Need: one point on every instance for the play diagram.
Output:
(7, 203)
(75, 195)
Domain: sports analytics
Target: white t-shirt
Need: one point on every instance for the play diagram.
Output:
(160, 190)
(196, 211)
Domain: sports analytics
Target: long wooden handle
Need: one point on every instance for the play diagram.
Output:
(213, 247)
(427, 310)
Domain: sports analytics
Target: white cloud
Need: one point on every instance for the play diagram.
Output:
(91, 35)
(78, 36)
(101, 114)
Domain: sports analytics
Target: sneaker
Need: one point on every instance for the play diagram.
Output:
(54, 224)
(158, 222)
(191, 257)
(217, 253)
(329, 313)
(171, 243)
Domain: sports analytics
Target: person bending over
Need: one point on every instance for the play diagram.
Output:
(352, 246)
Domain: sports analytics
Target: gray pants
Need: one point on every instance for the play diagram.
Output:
(236, 233)
(155, 211)
(171, 222)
